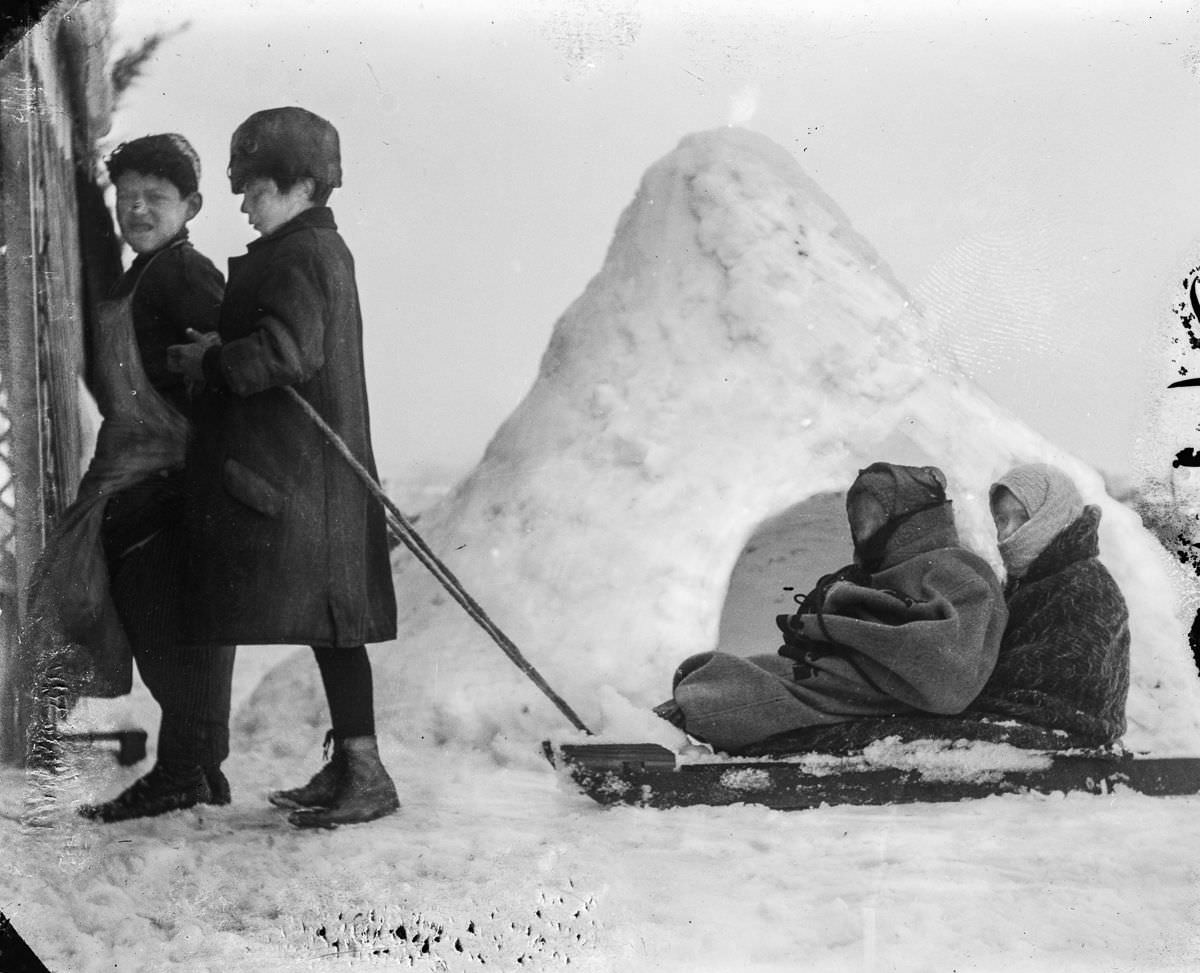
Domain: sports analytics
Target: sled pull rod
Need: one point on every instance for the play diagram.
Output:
(408, 536)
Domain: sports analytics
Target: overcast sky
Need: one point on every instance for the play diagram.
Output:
(1029, 176)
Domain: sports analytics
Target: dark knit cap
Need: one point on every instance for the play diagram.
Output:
(284, 144)
(899, 490)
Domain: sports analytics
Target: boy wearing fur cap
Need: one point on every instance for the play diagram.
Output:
(288, 546)
(134, 485)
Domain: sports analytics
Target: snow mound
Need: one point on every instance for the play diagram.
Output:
(741, 349)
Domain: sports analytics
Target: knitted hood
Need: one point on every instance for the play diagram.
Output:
(1052, 501)
(918, 515)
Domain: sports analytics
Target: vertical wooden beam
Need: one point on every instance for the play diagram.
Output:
(19, 373)
(53, 95)
(59, 272)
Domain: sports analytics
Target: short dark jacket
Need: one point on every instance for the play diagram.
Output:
(177, 288)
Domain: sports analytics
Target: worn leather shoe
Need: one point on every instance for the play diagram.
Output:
(165, 788)
(322, 789)
(364, 793)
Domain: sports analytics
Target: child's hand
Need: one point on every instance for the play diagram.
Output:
(188, 360)
(206, 339)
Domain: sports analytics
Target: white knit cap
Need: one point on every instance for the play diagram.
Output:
(1052, 501)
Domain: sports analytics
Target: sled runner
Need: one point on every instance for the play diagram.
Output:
(649, 775)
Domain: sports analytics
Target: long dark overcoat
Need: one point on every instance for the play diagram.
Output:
(287, 544)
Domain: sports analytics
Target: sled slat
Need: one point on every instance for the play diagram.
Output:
(647, 775)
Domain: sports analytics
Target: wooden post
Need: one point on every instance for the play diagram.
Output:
(41, 349)
(20, 382)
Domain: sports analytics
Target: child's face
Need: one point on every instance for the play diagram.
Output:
(1008, 513)
(268, 209)
(151, 211)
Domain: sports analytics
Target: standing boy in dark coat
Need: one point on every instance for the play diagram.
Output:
(135, 481)
(288, 545)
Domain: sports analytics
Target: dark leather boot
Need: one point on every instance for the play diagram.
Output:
(165, 788)
(322, 789)
(365, 792)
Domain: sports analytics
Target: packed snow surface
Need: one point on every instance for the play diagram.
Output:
(741, 351)
(491, 866)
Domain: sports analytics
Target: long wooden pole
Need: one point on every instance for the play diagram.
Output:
(407, 535)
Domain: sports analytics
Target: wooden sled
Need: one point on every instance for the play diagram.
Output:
(649, 775)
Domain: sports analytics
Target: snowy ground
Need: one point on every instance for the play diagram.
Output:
(493, 864)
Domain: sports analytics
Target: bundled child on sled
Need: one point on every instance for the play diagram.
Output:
(918, 628)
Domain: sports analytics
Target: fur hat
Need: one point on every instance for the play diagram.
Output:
(285, 144)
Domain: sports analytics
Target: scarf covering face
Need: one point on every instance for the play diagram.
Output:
(1052, 501)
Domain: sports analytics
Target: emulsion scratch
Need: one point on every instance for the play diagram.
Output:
(1191, 60)
(1188, 312)
(744, 105)
(589, 31)
(374, 76)
(558, 930)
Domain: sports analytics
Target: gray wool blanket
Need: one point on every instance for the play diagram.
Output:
(1062, 676)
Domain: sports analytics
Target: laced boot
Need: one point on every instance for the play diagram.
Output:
(365, 792)
(322, 789)
(167, 787)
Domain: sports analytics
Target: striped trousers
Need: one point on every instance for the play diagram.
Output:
(144, 542)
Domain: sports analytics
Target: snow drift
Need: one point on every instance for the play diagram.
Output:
(741, 349)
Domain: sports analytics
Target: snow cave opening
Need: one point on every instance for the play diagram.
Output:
(785, 556)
